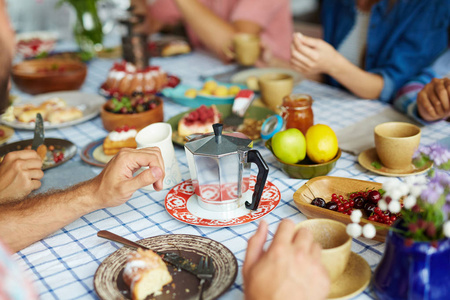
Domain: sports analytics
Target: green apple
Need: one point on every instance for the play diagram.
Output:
(289, 145)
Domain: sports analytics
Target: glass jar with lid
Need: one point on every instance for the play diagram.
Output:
(297, 112)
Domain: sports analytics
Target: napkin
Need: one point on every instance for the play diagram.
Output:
(359, 137)
(65, 175)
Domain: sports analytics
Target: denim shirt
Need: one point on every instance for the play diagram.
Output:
(403, 37)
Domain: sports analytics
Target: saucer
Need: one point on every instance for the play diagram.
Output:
(354, 280)
(367, 157)
(93, 154)
(181, 203)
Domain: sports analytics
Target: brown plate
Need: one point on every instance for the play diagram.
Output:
(324, 187)
(109, 284)
(67, 147)
(367, 157)
(8, 133)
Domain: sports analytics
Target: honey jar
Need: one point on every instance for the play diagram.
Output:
(297, 112)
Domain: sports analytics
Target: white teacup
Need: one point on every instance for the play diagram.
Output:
(160, 135)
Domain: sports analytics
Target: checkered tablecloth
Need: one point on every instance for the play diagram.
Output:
(63, 265)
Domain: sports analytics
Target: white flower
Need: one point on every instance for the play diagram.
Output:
(422, 179)
(382, 204)
(416, 190)
(390, 184)
(394, 207)
(396, 195)
(409, 202)
(356, 216)
(369, 231)
(446, 229)
(403, 189)
(354, 230)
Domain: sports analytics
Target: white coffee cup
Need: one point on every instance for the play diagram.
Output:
(160, 135)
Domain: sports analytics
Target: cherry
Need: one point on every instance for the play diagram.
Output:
(359, 202)
(318, 202)
(369, 209)
(332, 206)
(374, 197)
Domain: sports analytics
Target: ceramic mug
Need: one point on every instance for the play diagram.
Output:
(274, 87)
(335, 242)
(247, 49)
(160, 135)
(395, 143)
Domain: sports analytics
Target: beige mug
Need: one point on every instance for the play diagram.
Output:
(247, 49)
(335, 242)
(274, 87)
(395, 143)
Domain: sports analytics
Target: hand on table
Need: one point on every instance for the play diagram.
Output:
(116, 184)
(433, 101)
(289, 269)
(312, 56)
(20, 173)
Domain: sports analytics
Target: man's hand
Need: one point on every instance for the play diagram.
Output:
(433, 101)
(116, 184)
(312, 56)
(289, 269)
(20, 173)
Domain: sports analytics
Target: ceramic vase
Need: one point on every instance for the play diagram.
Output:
(419, 271)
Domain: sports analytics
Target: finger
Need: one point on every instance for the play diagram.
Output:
(299, 57)
(35, 184)
(152, 175)
(297, 40)
(316, 250)
(436, 103)
(32, 164)
(299, 67)
(424, 104)
(255, 246)
(22, 154)
(442, 94)
(35, 174)
(310, 41)
(310, 53)
(284, 234)
(303, 240)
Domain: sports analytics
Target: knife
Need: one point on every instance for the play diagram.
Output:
(171, 258)
(241, 103)
(38, 132)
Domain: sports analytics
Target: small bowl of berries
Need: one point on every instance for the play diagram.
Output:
(136, 111)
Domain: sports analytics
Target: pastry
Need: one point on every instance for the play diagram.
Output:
(125, 79)
(62, 115)
(145, 273)
(175, 48)
(199, 121)
(29, 114)
(120, 138)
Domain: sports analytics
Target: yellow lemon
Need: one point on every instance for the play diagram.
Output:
(210, 85)
(191, 93)
(233, 90)
(321, 143)
(204, 92)
(221, 91)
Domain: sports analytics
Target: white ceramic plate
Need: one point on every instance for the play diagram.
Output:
(89, 104)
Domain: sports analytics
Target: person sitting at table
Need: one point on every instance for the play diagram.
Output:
(373, 47)
(211, 24)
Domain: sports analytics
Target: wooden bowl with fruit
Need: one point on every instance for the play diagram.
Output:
(44, 75)
(336, 197)
(136, 111)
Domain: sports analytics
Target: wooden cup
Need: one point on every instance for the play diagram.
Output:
(396, 143)
(247, 49)
(274, 87)
(335, 242)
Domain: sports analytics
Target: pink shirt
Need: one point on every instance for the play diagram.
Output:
(273, 16)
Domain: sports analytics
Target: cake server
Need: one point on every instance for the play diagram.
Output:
(171, 258)
(241, 103)
(38, 132)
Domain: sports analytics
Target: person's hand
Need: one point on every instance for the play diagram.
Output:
(116, 184)
(312, 56)
(289, 269)
(20, 173)
(433, 101)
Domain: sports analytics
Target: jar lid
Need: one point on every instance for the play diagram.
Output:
(271, 125)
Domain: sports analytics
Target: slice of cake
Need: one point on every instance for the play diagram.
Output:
(199, 121)
(123, 137)
(146, 274)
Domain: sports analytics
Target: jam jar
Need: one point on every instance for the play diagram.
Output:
(297, 112)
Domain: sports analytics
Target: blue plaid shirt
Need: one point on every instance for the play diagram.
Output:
(403, 38)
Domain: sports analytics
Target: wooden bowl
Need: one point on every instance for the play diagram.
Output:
(112, 121)
(324, 187)
(39, 76)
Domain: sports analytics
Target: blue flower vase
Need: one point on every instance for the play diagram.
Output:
(413, 272)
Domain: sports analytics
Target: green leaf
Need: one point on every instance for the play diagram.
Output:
(376, 165)
(420, 161)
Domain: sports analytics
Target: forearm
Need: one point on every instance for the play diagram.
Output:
(25, 222)
(361, 83)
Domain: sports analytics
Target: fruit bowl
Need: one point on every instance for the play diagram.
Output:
(112, 120)
(44, 75)
(306, 169)
(324, 187)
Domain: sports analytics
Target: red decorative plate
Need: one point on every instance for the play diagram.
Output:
(181, 204)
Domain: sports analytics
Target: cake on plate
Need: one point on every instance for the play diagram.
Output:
(199, 121)
(125, 79)
(119, 138)
(145, 273)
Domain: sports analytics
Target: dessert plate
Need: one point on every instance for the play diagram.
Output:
(93, 154)
(181, 203)
(109, 284)
(369, 156)
(7, 134)
(66, 147)
(89, 104)
(256, 113)
(354, 280)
